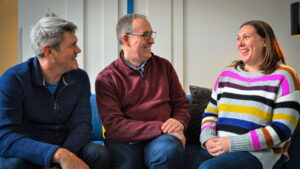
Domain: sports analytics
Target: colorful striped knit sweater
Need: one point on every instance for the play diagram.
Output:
(258, 112)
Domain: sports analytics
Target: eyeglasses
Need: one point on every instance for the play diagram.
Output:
(146, 35)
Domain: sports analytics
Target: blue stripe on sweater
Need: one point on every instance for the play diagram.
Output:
(282, 130)
(238, 123)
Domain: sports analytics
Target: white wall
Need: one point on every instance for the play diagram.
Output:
(210, 34)
(197, 36)
(101, 44)
(30, 11)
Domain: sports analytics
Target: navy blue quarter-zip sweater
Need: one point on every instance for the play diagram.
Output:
(33, 122)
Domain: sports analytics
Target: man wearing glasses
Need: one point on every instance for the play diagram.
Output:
(141, 102)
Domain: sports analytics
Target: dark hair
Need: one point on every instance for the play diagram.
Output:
(273, 53)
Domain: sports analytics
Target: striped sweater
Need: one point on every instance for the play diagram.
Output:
(258, 112)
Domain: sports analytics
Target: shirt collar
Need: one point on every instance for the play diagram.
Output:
(140, 68)
(38, 79)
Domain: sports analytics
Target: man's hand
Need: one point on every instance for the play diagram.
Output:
(68, 160)
(180, 136)
(172, 125)
(218, 146)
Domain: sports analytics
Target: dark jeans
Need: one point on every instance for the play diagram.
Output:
(95, 155)
(163, 152)
(236, 160)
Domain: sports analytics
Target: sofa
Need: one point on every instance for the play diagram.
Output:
(198, 100)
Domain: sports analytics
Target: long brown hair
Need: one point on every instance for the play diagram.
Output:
(273, 53)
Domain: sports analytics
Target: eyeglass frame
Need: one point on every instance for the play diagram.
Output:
(144, 34)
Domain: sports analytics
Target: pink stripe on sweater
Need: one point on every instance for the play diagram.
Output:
(217, 82)
(255, 140)
(212, 127)
(284, 82)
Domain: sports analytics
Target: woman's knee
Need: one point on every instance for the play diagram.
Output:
(207, 165)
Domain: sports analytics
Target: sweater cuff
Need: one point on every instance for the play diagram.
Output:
(206, 134)
(240, 143)
(49, 156)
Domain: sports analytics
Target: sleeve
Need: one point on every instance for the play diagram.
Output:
(117, 126)
(12, 142)
(179, 102)
(209, 120)
(277, 134)
(80, 121)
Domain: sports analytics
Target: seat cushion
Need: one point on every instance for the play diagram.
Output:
(200, 97)
(96, 121)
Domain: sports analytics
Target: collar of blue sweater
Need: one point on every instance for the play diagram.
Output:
(37, 77)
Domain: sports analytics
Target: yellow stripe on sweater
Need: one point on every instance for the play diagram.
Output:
(209, 109)
(245, 110)
(287, 117)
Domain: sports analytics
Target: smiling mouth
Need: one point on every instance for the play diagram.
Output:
(244, 51)
(74, 58)
(147, 48)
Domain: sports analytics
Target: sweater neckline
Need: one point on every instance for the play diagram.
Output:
(249, 74)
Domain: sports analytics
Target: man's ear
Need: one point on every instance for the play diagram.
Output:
(125, 40)
(48, 51)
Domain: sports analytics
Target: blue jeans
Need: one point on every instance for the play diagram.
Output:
(236, 160)
(163, 152)
(95, 155)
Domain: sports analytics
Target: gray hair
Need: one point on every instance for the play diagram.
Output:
(125, 25)
(49, 31)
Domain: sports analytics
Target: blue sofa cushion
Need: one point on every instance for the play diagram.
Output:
(96, 121)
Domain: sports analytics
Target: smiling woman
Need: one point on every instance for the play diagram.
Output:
(258, 48)
(251, 48)
(254, 107)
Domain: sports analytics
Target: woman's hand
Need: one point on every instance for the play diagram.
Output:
(218, 146)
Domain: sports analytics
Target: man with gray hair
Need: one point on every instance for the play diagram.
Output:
(45, 113)
(141, 103)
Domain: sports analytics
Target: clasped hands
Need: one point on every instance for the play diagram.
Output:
(218, 146)
(175, 128)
